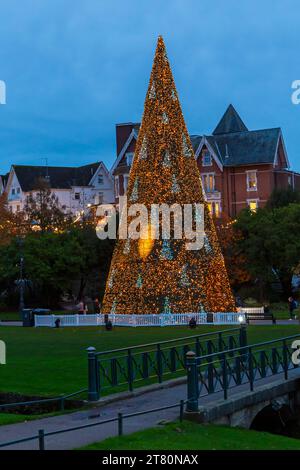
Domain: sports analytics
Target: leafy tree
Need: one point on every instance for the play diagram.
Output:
(43, 208)
(283, 197)
(234, 257)
(53, 261)
(270, 243)
(9, 223)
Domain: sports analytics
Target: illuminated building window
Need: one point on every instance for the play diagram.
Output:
(214, 208)
(206, 158)
(217, 209)
(208, 180)
(251, 181)
(253, 204)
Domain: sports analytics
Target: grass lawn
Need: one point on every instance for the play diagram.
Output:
(190, 436)
(51, 362)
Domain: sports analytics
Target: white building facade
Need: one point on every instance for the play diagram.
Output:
(76, 188)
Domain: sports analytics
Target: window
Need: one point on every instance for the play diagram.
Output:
(116, 186)
(100, 196)
(100, 179)
(208, 180)
(253, 204)
(18, 190)
(129, 158)
(217, 209)
(18, 208)
(77, 196)
(251, 181)
(206, 158)
(126, 178)
(13, 191)
(214, 208)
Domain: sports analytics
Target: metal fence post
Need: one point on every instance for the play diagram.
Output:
(224, 374)
(120, 424)
(192, 382)
(93, 382)
(129, 370)
(251, 371)
(210, 368)
(243, 336)
(285, 360)
(159, 364)
(41, 439)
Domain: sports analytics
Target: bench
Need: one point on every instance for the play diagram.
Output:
(268, 316)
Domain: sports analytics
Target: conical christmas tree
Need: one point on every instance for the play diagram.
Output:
(161, 275)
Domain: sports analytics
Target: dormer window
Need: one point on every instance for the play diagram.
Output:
(129, 158)
(251, 181)
(206, 158)
(208, 181)
(100, 179)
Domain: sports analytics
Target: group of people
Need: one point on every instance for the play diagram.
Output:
(83, 308)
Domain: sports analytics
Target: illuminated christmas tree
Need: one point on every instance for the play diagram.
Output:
(161, 275)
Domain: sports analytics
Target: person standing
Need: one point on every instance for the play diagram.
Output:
(96, 305)
(80, 307)
(292, 306)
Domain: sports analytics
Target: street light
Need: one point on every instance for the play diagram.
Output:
(35, 227)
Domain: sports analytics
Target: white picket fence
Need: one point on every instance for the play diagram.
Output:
(139, 320)
(251, 309)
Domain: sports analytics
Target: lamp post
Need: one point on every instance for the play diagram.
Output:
(21, 277)
(35, 227)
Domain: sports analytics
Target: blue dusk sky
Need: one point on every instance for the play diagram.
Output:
(74, 68)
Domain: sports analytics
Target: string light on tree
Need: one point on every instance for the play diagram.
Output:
(170, 278)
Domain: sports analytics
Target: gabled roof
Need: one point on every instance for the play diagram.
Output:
(59, 177)
(230, 122)
(133, 135)
(231, 142)
(244, 148)
(4, 179)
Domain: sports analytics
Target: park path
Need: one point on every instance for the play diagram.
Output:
(145, 401)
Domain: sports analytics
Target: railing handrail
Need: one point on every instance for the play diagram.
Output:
(101, 353)
(43, 400)
(90, 425)
(248, 347)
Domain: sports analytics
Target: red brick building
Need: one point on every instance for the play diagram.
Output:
(238, 167)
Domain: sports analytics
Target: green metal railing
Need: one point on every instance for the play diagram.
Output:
(61, 400)
(127, 368)
(217, 372)
(41, 436)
